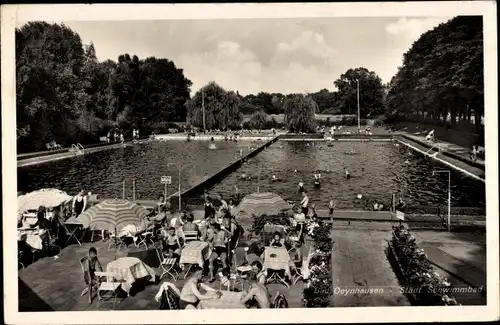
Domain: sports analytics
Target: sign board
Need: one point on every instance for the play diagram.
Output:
(166, 179)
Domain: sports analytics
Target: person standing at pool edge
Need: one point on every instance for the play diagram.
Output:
(79, 203)
(305, 202)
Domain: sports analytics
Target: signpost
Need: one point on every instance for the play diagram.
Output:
(166, 180)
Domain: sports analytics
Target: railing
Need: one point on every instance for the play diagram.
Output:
(77, 149)
(443, 210)
(438, 148)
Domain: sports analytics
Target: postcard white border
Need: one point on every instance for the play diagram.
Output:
(12, 16)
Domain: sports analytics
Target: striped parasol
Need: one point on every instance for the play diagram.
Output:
(258, 204)
(48, 197)
(113, 215)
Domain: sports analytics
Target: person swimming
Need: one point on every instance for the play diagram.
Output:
(346, 171)
(274, 179)
(295, 171)
(317, 179)
(407, 162)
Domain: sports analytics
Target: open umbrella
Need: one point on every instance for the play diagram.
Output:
(262, 203)
(113, 215)
(48, 197)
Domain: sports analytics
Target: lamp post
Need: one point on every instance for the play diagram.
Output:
(179, 190)
(449, 194)
(357, 92)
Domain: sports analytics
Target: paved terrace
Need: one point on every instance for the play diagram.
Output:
(359, 260)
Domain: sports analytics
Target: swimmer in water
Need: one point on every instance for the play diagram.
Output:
(295, 171)
(407, 162)
(351, 152)
(346, 171)
(243, 176)
(274, 178)
(317, 179)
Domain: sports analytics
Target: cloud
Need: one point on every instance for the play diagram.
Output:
(229, 65)
(309, 48)
(413, 27)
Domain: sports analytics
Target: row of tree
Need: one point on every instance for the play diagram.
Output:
(442, 77)
(65, 94)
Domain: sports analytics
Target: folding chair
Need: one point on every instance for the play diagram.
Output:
(296, 272)
(190, 235)
(145, 238)
(93, 233)
(109, 288)
(116, 242)
(279, 301)
(71, 233)
(167, 264)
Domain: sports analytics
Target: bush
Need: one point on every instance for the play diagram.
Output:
(319, 288)
(429, 288)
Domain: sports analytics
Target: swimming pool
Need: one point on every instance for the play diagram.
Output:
(104, 172)
(378, 169)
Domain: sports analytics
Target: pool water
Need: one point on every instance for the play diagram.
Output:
(378, 169)
(103, 172)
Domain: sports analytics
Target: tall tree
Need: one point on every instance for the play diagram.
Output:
(441, 77)
(50, 91)
(300, 113)
(221, 108)
(371, 92)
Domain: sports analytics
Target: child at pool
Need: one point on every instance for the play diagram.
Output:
(277, 241)
(172, 244)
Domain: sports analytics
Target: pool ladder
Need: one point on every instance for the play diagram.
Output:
(77, 149)
(436, 153)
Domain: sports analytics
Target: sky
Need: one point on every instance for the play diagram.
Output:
(272, 55)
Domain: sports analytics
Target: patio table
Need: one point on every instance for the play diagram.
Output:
(228, 300)
(195, 252)
(277, 259)
(129, 269)
(33, 237)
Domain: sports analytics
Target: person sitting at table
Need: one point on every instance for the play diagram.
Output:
(277, 241)
(259, 271)
(90, 269)
(257, 293)
(41, 222)
(25, 250)
(219, 250)
(295, 254)
(225, 281)
(190, 293)
(178, 220)
(171, 241)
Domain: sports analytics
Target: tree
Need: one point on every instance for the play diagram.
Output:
(325, 99)
(258, 120)
(50, 92)
(371, 92)
(441, 77)
(65, 94)
(300, 113)
(221, 108)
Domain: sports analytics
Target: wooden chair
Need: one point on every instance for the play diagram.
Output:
(107, 290)
(191, 235)
(167, 264)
